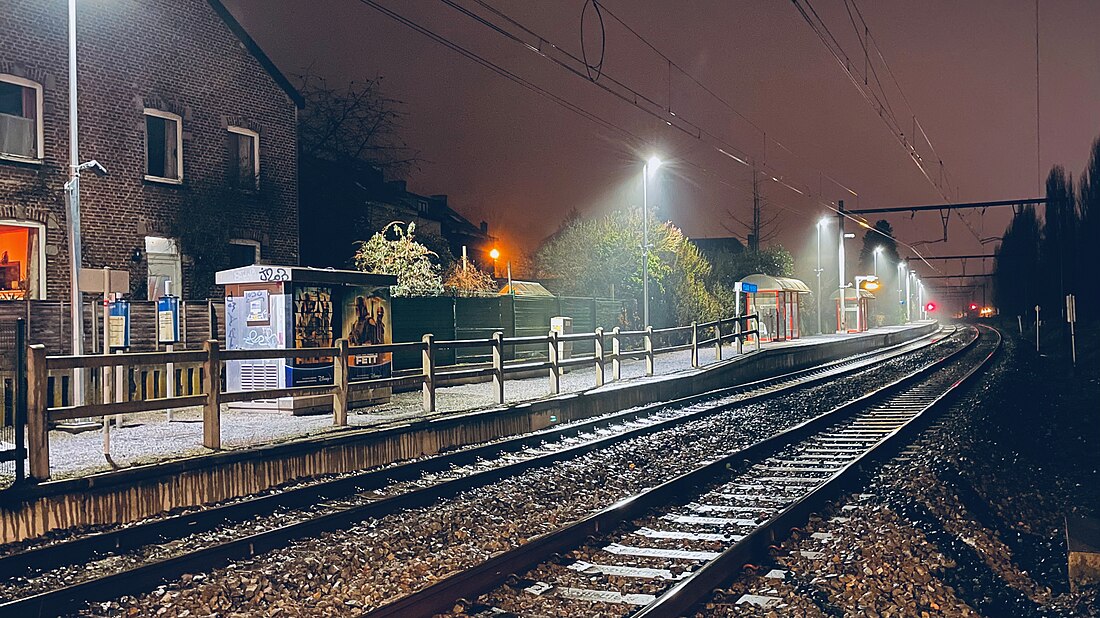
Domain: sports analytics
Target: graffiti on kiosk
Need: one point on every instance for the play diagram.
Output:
(262, 337)
(274, 274)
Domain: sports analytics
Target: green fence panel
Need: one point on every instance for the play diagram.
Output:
(415, 317)
(478, 318)
(583, 312)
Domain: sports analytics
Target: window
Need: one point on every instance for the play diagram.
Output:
(163, 259)
(244, 158)
(21, 260)
(20, 118)
(243, 253)
(163, 139)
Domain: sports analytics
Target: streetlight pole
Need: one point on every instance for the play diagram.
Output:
(908, 294)
(820, 225)
(73, 188)
(875, 254)
(920, 298)
(841, 325)
(650, 166)
(901, 266)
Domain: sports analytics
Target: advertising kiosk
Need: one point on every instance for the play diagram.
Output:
(281, 307)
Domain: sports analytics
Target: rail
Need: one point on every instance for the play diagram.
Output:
(211, 393)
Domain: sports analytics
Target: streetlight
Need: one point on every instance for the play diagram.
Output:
(920, 299)
(820, 225)
(495, 254)
(876, 253)
(901, 273)
(650, 167)
(76, 315)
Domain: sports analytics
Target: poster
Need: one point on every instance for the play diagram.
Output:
(168, 319)
(367, 320)
(312, 329)
(259, 307)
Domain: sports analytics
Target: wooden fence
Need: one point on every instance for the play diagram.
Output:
(42, 410)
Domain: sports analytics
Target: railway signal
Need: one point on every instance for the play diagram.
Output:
(930, 307)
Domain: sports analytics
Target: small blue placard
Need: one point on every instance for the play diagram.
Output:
(748, 288)
(118, 325)
(168, 319)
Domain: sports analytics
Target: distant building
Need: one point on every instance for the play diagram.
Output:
(343, 203)
(711, 247)
(180, 106)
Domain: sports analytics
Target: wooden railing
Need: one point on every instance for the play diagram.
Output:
(624, 345)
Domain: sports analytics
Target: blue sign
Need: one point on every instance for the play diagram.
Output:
(118, 325)
(168, 319)
(748, 288)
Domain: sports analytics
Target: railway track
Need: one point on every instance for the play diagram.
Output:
(657, 553)
(324, 506)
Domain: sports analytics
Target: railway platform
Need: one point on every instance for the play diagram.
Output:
(267, 450)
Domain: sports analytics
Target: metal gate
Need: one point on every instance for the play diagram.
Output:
(13, 384)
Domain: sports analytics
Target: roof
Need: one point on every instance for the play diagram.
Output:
(526, 288)
(850, 294)
(768, 283)
(264, 273)
(258, 53)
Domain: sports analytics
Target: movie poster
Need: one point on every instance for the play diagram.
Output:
(367, 321)
(312, 329)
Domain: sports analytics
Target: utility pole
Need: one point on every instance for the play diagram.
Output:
(842, 319)
(76, 318)
(754, 237)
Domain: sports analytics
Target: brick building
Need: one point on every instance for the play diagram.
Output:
(346, 202)
(195, 125)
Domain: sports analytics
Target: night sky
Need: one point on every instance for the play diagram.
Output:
(520, 161)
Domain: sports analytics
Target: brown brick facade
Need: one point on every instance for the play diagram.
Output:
(180, 56)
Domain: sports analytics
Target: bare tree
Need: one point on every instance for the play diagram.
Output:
(356, 122)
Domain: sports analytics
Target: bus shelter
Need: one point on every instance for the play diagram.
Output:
(857, 306)
(777, 302)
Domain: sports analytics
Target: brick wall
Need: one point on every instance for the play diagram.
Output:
(176, 55)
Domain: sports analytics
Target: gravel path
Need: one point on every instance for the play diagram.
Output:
(148, 437)
(346, 572)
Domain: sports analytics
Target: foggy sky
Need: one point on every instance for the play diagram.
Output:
(521, 162)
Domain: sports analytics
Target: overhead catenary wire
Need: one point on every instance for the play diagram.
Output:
(596, 118)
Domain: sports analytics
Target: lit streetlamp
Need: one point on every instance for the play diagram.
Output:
(495, 254)
(650, 167)
(875, 253)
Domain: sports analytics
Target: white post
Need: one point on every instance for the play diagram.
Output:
(1071, 317)
(553, 357)
(169, 368)
(645, 245)
(107, 373)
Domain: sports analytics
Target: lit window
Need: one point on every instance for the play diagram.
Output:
(20, 118)
(163, 138)
(244, 158)
(243, 253)
(163, 259)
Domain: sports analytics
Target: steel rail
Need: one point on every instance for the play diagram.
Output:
(149, 575)
(486, 576)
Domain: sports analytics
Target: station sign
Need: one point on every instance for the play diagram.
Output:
(748, 288)
(168, 319)
(118, 324)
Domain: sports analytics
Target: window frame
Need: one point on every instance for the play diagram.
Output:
(40, 131)
(159, 113)
(248, 242)
(255, 135)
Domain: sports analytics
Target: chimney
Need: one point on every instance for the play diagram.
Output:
(485, 228)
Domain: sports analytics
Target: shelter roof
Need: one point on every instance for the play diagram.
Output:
(768, 283)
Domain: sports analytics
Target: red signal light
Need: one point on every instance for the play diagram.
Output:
(973, 306)
(930, 307)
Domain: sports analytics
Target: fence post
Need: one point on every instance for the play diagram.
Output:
(498, 365)
(616, 362)
(598, 354)
(340, 372)
(718, 339)
(38, 427)
(649, 350)
(694, 343)
(212, 319)
(212, 409)
(427, 364)
(555, 371)
(740, 339)
(19, 413)
(756, 336)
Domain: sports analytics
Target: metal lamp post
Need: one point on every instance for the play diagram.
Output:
(650, 167)
(820, 224)
(875, 254)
